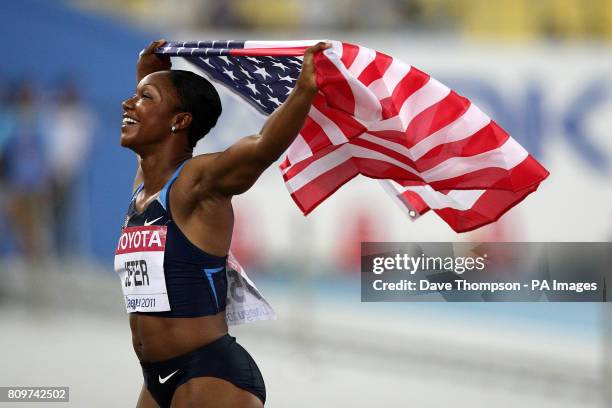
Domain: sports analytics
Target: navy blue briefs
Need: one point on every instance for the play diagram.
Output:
(224, 358)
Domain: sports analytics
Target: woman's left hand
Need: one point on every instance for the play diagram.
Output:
(307, 79)
(149, 62)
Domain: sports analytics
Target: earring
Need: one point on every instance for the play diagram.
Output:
(173, 129)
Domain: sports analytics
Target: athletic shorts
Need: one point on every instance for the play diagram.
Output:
(223, 358)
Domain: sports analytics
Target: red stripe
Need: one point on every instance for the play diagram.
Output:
(396, 136)
(333, 85)
(314, 135)
(375, 69)
(384, 150)
(487, 209)
(414, 201)
(412, 82)
(347, 123)
(488, 138)
(269, 52)
(435, 118)
(527, 173)
(349, 53)
(316, 191)
(380, 169)
(301, 165)
(286, 163)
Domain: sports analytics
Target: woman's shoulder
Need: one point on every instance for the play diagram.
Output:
(198, 165)
(203, 157)
(195, 170)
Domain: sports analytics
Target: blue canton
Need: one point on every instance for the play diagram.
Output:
(264, 82)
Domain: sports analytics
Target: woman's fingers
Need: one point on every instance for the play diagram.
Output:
(152, 46)
(321, 45)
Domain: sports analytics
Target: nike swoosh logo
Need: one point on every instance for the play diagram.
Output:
(147, 223)
(163, 380)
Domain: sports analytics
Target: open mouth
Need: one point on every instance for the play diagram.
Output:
(128, 120)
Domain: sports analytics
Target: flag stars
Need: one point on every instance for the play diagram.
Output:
(268, 89)
(246, 73)
(286, 78)
(229, 73)
(275, 101)
(252, 87)
(281, 66)
(262, 71)
(207, 62)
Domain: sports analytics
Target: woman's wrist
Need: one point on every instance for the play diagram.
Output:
(305, 89)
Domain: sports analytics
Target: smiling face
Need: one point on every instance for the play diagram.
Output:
(149, 115)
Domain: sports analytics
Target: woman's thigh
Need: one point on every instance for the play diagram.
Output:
(145, 400)
(211, 392)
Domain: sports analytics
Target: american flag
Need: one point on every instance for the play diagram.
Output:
(377, 116)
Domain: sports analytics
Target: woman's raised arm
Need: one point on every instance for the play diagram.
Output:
(234, 170)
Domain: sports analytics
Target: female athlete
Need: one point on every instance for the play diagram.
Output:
(173, 248)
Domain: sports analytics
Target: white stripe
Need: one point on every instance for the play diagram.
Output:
(298, 151)
(384, 86)
(431, 93)
(456, 199)
(319, 167)
(397, 147)
(506, 157)
(336, 48)
(365, 153)
(472, 120)
(280, 44)
(332, 131)
(361, 61)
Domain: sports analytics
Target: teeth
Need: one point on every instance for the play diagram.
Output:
(129, 121)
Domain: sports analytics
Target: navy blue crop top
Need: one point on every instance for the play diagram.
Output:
(195, 281)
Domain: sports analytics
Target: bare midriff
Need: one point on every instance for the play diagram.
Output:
(160, 338)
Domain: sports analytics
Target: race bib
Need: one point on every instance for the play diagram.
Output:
(139, 261)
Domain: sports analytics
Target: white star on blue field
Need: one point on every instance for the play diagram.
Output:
(264, 82)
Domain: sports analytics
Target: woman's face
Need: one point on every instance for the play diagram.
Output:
(149, 114)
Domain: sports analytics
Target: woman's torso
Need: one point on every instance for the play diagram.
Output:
(198, 234)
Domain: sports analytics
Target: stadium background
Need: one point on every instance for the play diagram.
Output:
(541, 69)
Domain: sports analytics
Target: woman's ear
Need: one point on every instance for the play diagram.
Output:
(181, 121)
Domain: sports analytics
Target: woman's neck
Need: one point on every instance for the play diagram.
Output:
(158, 167)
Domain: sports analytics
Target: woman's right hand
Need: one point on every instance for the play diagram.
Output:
(149, 62)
